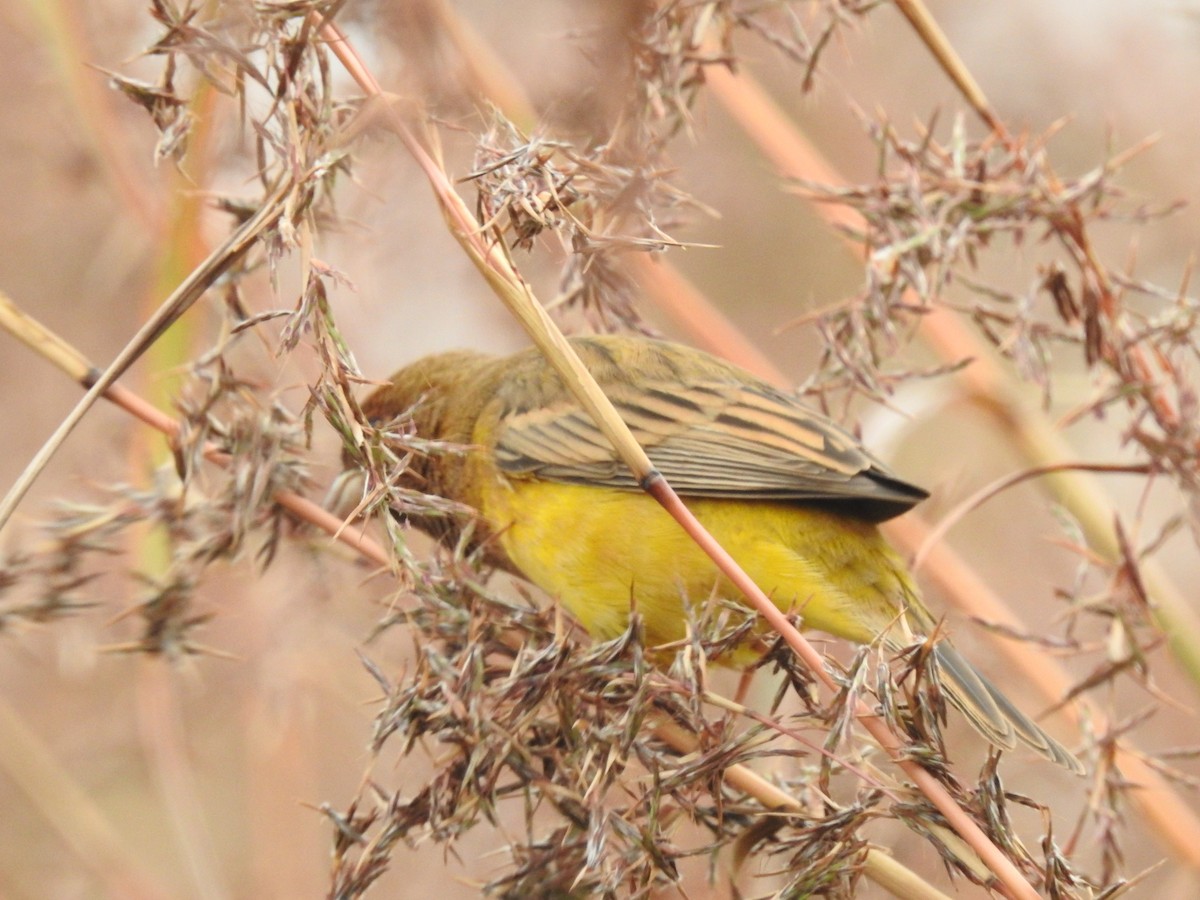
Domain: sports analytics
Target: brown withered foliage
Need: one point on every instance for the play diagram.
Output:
(520, 725)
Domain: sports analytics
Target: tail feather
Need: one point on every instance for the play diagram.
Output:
(1030, 734)
(974, 697)
(992, 714)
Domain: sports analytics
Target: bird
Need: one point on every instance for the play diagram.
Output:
(793, 497)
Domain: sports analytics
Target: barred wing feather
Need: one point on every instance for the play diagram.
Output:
(710, 439)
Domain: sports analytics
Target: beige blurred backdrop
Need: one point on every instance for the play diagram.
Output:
(208, 773)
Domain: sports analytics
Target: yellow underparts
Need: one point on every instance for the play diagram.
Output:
(600, 551)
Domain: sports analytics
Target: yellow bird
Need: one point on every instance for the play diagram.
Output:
(795, 499)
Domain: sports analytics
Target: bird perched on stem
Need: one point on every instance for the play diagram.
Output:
(795, 500)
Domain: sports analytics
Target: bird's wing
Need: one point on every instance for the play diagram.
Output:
(715, 438)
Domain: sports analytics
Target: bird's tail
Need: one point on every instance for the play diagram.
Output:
(991, 713)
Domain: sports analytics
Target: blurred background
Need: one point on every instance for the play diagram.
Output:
(207, 774)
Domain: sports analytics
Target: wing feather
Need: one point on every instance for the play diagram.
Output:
(720, 436)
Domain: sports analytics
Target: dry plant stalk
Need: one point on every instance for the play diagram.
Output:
(528, 731)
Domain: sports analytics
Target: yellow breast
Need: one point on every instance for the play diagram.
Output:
(600, 551)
